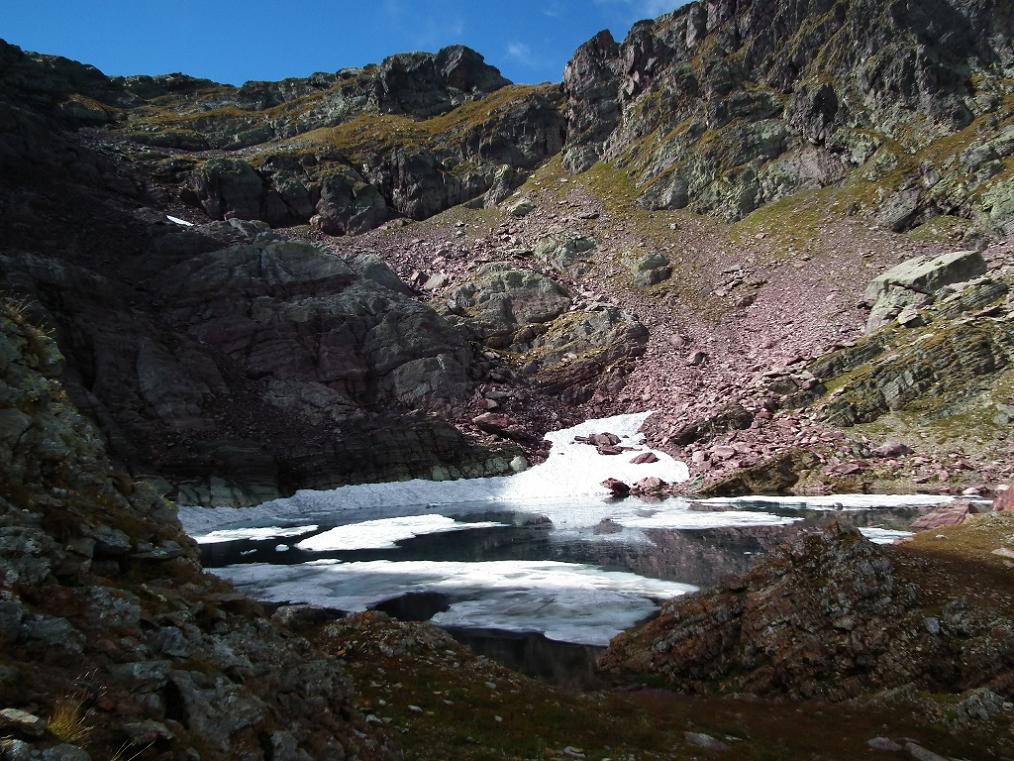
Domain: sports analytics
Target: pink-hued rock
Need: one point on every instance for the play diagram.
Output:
(1004, 501)
(892, 449)
(616, 487)
(645, 459)
(608, 450)
(952, 514)
(650, 485)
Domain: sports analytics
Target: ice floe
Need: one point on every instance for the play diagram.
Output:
(883, 535)
(385, 533)
(571, 472)
(690, 519)
(261, 533)
(569, 602)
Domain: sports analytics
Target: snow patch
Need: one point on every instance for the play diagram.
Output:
(385, 533)
(178, 221)
(568, 602)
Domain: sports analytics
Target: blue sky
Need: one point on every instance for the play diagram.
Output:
(234, 41)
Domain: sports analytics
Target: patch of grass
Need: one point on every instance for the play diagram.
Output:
(69, 721)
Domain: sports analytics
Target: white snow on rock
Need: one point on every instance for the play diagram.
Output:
(571, 472)
(265, 532)
(569, 602)
(385, 533)
(883, 535)
(178, 221)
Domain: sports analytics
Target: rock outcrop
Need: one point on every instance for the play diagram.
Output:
(826, 617)
(728, 105)
(113, 640)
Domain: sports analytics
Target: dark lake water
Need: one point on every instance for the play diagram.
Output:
(539, 590)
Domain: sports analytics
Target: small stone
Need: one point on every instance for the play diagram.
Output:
(884, 744)
(18, 722)
(616, 487)
(920, 753)
(707, 742)
(519, 464)
(1003, 552)
(644, 459)
(573, 752)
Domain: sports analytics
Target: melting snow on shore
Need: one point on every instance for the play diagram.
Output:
(571, 472)
(569, 602)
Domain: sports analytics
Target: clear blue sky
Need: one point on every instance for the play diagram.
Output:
(234, 41)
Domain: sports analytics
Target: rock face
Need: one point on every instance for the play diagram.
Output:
(233, 365)
(565, 352)
(176, 662)
(281, 364)
(825, 617)
(346, 151)
(951, 363)
(727, 105)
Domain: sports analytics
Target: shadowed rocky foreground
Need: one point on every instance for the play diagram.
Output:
(782, 225)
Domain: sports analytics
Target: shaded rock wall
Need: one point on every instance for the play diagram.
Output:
(107, 620)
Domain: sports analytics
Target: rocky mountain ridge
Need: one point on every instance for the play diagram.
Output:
(728, 105)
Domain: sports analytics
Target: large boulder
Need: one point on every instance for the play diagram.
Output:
(569, 254)
(916, 282)
(498, 299)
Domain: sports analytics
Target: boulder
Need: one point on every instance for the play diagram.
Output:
(498, 300)
(648, 269)
(915, 283)
(569, 254)
(951, 514)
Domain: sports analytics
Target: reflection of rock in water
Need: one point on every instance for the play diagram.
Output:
(559, 663)
(415, 606)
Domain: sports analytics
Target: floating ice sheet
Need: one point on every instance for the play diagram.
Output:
(690, 519)
(566, 601)
(385, 533)
(265, 532)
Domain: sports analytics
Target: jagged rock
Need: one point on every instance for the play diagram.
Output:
(823, 617)
(616, 487)
(723, 107)
(916, 282)
(951, 514)
(207, 677)
(265, 333)
(774, 475)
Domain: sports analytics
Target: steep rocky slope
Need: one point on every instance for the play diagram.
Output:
(114, 644)
(347, 150)
(728, 105)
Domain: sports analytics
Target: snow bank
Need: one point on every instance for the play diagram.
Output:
(571, 472)
(385, 533)
(569, 602)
